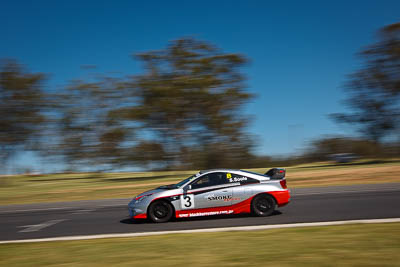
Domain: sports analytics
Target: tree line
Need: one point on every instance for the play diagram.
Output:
(184, 111)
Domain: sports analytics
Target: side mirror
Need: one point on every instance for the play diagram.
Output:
(187, 187)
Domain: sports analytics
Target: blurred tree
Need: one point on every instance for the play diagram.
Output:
(187, 106)
(374, 90)
(324, 148)
(21, 106)
(87, 135)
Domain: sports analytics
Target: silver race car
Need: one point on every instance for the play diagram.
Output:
(214, 192)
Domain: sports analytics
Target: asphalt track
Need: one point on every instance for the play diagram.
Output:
(110, 216)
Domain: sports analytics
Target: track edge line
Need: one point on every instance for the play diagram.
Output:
(207, 230)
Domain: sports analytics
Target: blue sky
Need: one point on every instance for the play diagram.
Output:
(300, 51)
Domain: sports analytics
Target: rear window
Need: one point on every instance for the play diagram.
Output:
(256, 173)
(237, 178)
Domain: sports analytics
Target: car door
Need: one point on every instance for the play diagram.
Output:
(207, 191)
(244, 191)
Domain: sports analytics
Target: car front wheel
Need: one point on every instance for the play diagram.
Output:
(263, 205)
(160, 211)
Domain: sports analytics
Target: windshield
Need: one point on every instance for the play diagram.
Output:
(185, 181)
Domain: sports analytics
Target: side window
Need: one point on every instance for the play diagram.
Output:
(211, 179)
(201, 182)
(236, 178)
(219, 178)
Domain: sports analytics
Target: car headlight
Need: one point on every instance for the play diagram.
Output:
(140, 198)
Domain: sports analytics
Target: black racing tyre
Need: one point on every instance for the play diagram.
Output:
(263, 205)
(160, 211)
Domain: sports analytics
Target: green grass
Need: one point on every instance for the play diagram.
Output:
(22, 189)
(79, 186)
(350, 245)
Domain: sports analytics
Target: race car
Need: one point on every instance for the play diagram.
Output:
(214, 192)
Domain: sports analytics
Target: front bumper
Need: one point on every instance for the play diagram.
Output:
(136, 211)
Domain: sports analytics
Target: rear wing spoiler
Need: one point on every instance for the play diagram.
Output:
(276, 173)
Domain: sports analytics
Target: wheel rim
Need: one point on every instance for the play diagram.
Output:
(264, 205)
(160, 211)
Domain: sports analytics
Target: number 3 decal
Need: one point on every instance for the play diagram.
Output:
(187, 201)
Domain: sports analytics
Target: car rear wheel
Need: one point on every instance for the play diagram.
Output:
(263, 205)
(160, 211)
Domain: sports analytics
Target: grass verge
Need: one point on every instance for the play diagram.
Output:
(84, 186)
(349, 245)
